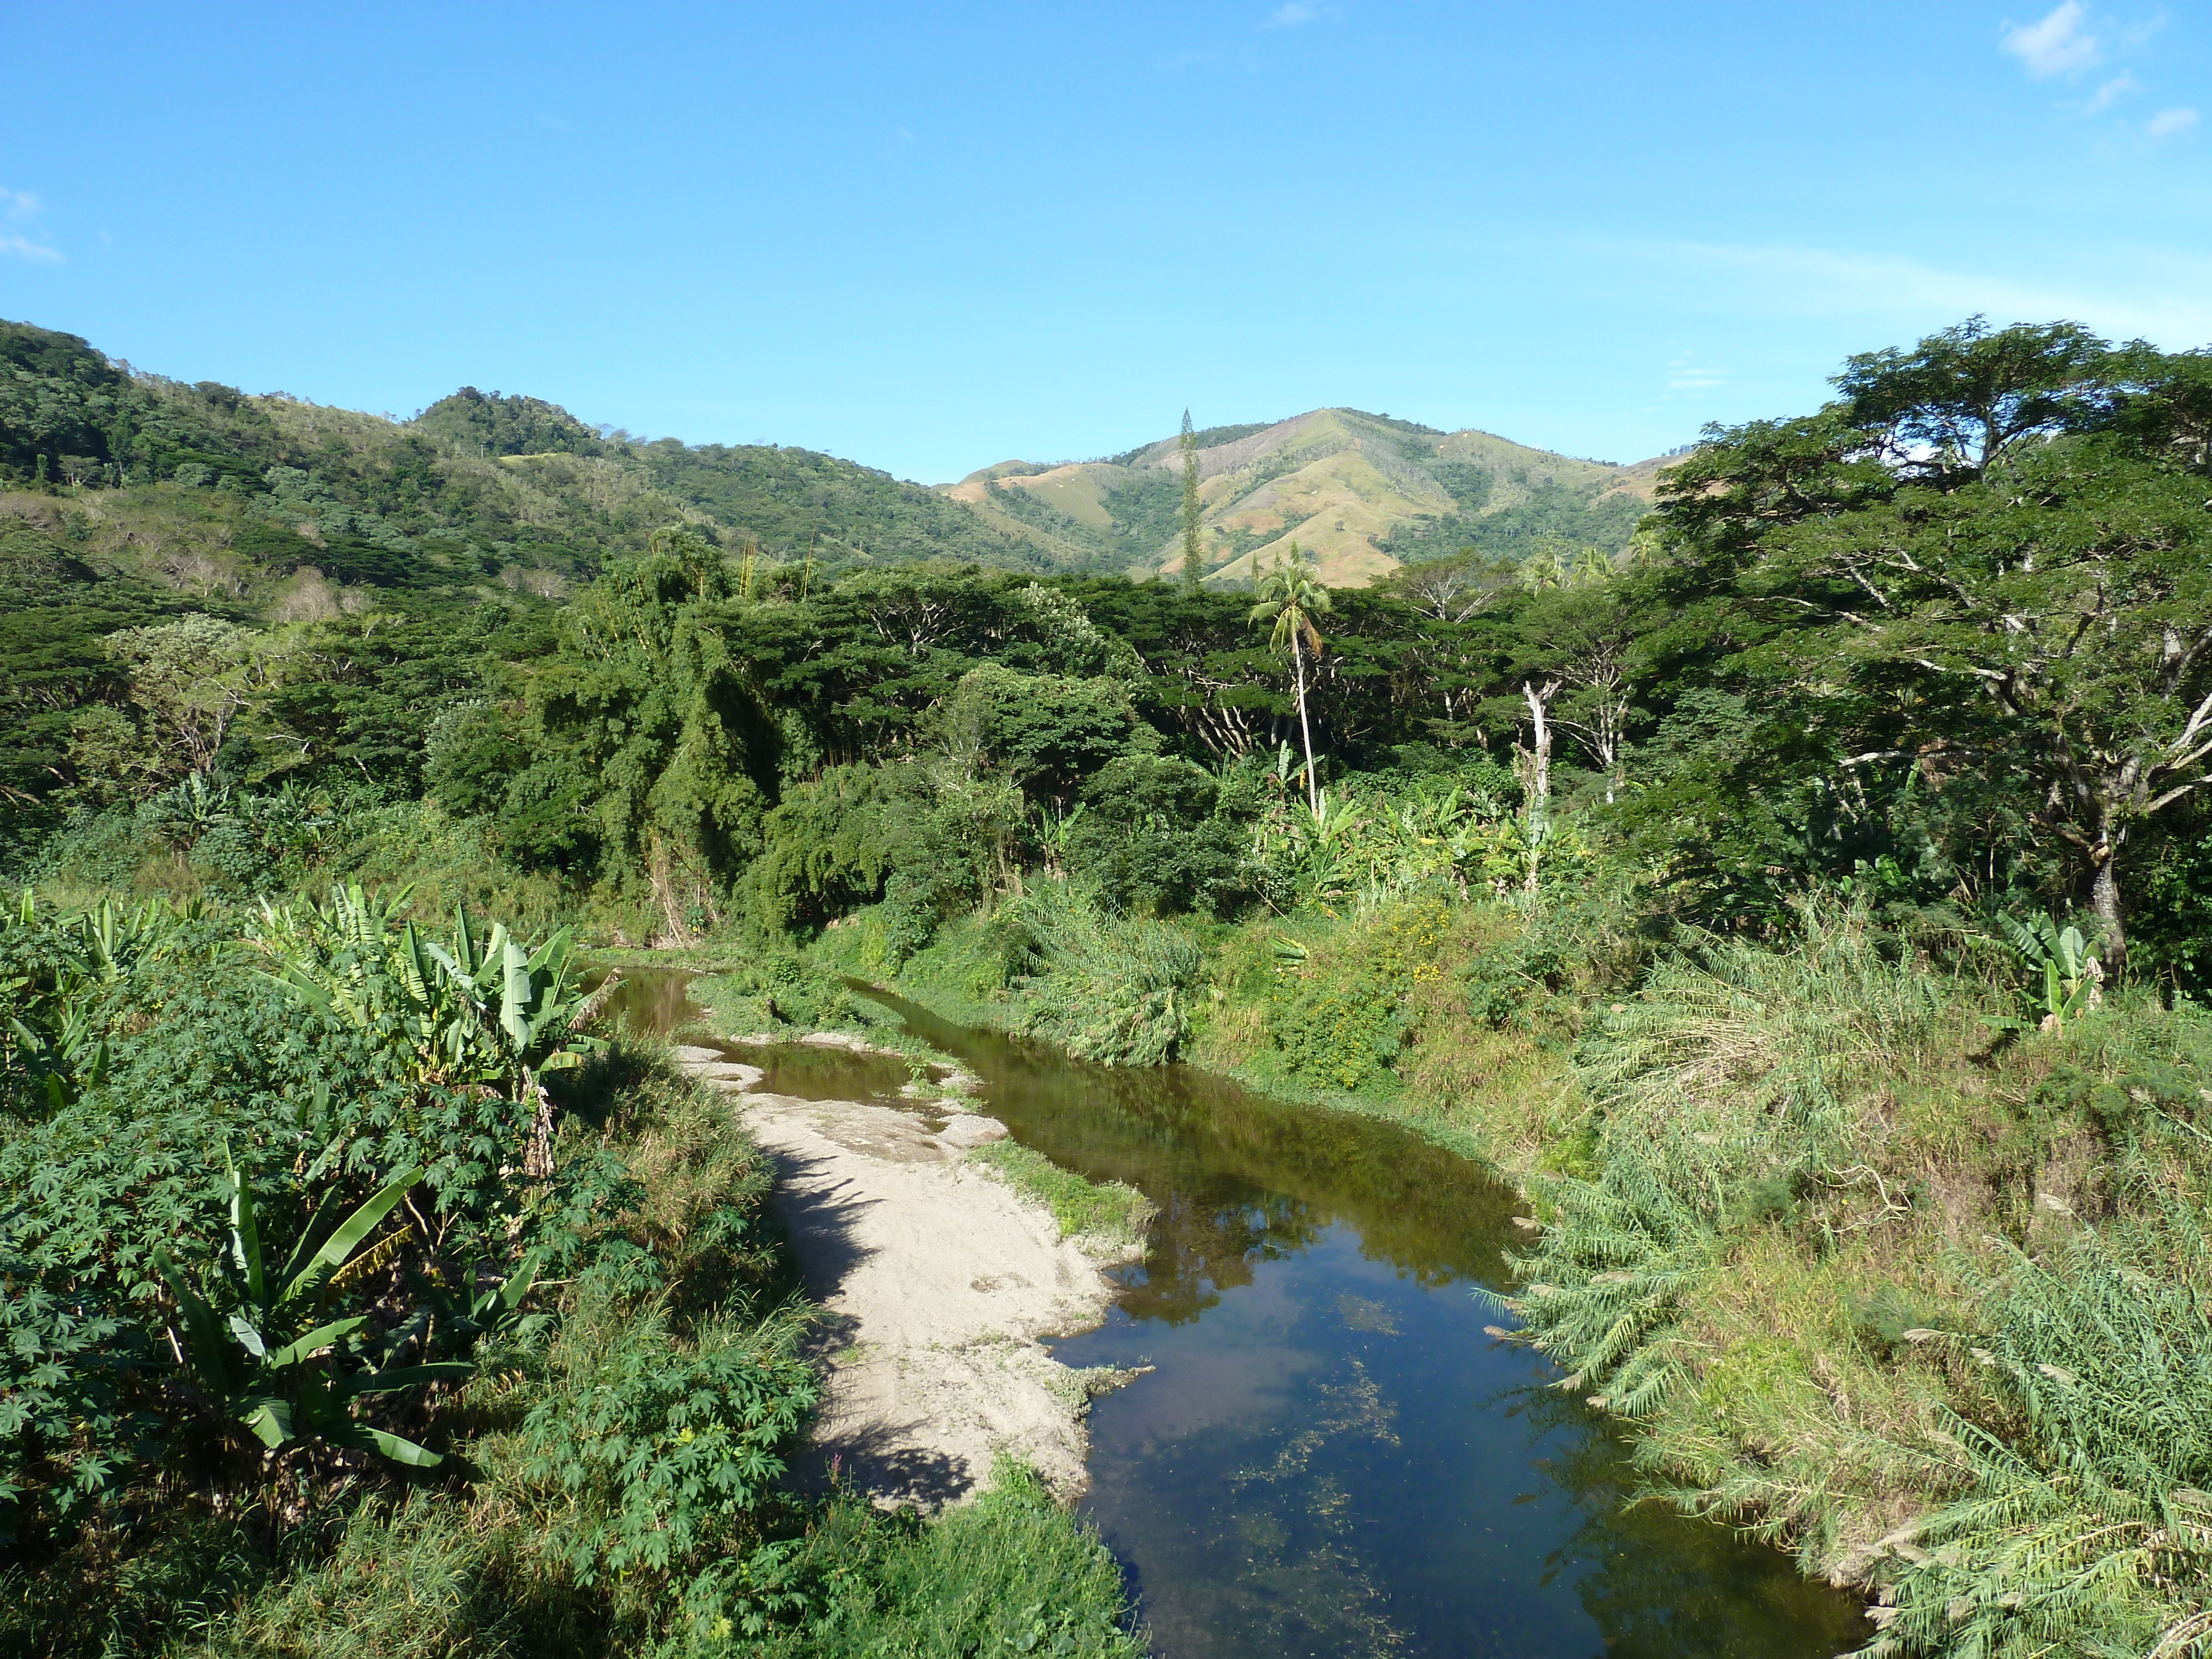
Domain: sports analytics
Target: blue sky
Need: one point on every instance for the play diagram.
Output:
(934, 238)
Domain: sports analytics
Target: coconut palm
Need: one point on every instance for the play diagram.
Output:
(1290, 596)
(1543, 569)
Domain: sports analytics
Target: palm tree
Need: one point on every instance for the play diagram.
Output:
(1544, 569)
(1290, 596)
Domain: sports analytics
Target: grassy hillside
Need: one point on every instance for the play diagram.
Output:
(128, 500)
(1363, 493)
(249, 490)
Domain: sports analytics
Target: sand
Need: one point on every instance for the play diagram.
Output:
(936, 1282)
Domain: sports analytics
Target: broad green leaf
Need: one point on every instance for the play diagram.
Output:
(515, 1004)
(519, 1283)
(245, 1236)
(406, 1376)
(270, 1419)
(356, 1227)
(321, 1336)
(399, 1450)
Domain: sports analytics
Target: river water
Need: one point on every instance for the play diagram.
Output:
(1330, 1456)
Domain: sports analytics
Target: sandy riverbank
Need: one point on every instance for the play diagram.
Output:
(937, 1282)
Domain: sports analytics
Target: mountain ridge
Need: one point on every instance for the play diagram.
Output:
(1361, 494)
(482, 485)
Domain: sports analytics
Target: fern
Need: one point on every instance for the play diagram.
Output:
(1606, 1287)
(2088, 1531)
(1115, 990)
(1728, 1081)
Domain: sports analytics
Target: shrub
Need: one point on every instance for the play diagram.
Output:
(1009, 1573)
(2084, 1525)
(648, 1453)
(1115, 990)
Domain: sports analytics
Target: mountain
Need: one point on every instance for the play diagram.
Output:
(285, 508)
(1361, 493)
(273, 506)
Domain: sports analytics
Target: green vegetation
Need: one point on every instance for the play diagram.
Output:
(1005, 1574)
(358, 1302)
(1803, 897)
(1112, 1211)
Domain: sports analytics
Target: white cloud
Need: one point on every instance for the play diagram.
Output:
(1820, 281)
(19, 205)
(2114, 90)
(2059, 45)
(2168, 121)
(1685, 374)
(1293, 13)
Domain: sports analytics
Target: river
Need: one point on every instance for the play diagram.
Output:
(1331, 1455)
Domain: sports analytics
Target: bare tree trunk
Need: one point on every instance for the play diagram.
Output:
(1539, 770)
(1313, 792)
(2104, 895)
(538, 1157)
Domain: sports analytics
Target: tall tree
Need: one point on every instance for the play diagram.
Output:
(1290, 596)
(644, 702)
(1991, 559)
(1192, 565)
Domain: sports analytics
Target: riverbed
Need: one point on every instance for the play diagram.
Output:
(1331, 1455)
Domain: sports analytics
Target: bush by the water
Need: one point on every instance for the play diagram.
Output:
(357, 1303)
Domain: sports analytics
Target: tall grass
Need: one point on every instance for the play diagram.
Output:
(1741, 1062)
(2084, 1525)
(1010, 1573)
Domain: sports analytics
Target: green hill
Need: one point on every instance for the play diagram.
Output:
(1361, 493)
(129, 499)
(204, 485)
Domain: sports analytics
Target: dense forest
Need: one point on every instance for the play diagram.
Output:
(1802, 889)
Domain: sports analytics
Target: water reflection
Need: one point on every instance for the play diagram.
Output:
(656, 999)
(1331, 1456)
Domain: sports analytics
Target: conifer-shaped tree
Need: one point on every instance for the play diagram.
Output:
(1193, 567)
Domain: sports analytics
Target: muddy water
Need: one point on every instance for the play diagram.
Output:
(1331, 1456)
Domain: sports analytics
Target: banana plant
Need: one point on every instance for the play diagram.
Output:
(495, 1307)
(1053, 829)
(2067, 962)
(273, 1364)
(49, 1020)
(475, 1008)
(533, 991)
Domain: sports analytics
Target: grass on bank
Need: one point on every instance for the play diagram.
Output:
(1869, 1265)
(1112, 1212)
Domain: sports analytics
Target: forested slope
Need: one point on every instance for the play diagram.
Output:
(1361, 494)
(1808, 903)
(128, 499)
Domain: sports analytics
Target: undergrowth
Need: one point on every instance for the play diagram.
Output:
(1112, 1211)
(594, 1463)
